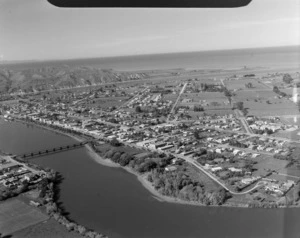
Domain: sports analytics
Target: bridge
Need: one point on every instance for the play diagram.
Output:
(52, 150)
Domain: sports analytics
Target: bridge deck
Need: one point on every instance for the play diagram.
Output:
(53, 150)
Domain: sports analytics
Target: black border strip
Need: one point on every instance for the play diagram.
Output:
(150, 3)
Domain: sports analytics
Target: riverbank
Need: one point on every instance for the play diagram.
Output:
(107, 162)
(142, 178)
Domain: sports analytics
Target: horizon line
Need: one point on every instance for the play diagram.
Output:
(134, 55)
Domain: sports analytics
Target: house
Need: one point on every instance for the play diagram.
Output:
(33, 203)
(219, 160)
(170, 168)
(232, 169)
(166, 147)
(235, 152)
(159, 144)
(215, 169)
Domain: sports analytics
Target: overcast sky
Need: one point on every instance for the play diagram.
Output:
(34, 29)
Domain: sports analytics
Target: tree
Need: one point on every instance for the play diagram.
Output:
(298, 104)
(287, 78)
(70, 226)
(109, 154)
(196, 135)
(138, 109)
(245, 111)
(239, 105)
(249, 85)
(51, 208)
(147, 166)
(276, 89)
(198, 108)
(81, 230)
(115, 142)
(116, 157)
(124, 159)
(227, 93)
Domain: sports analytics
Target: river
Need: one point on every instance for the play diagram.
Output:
(113, 202)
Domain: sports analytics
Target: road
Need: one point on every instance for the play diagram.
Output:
(135, 96)
(9, 158)
(177, 100)
(246, 125)
(200, 167)
(287, 175)
(222, 82)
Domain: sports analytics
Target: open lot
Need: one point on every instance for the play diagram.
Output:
(16, 215)
(267, 163)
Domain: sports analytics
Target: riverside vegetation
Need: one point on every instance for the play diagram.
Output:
(177, 184)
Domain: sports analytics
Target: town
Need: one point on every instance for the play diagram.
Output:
(233, 132)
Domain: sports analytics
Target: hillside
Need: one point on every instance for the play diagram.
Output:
(47, 78)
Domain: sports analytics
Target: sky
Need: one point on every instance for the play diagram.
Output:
(37, 30)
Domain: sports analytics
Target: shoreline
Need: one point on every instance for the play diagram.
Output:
(146, 184)
(107, 162)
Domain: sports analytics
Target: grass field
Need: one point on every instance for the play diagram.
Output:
(293, 171)
(280, 177)
(214, 101)
(240, 84)
(243, 95)
(47, 229)
(170, 97)
(16, 215)
(293, 135)
(264, 109)
(265, 163)
(208, 96)
(256, 102)
(198, 175)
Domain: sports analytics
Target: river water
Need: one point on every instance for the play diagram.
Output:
(113, 202)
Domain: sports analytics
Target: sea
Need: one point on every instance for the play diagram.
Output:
(267, 58)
